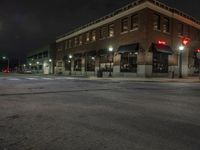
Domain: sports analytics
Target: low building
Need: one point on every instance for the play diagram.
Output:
(141, 39)
(42, 60)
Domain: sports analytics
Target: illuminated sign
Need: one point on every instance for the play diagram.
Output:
(162, 42)
(185, 41)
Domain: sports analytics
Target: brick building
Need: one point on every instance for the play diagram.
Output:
(42, 60)
(141, 39)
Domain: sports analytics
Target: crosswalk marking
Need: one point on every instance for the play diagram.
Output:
(13, 79)
(31, 78)
(38, 78)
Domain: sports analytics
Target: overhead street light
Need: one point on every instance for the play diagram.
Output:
(50, 66)
(110, 49)
(8, 64)
(70, 61)
(181, 49)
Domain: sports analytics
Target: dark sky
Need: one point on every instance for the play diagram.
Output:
(29, 24)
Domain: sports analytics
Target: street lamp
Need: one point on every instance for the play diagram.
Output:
(181, 48)
(30, 66)
(6, 58)
(110, 49)
(50, 66)
(70, 61)
(37, 66)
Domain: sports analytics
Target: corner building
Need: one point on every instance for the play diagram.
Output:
(141, 39)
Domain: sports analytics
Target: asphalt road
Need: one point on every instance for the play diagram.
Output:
(39, 113)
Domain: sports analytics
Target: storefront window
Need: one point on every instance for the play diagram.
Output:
(77, 64)
(67, 65)
(160, 62)
(196, 63)
(128, 62)
(106, 62)
(90, 63)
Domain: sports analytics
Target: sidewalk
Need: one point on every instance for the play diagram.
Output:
(138, 79)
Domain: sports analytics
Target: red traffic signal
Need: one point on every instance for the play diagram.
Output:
(198, 50)
(185, 41)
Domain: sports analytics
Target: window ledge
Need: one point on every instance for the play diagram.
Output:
(157, 30)
(134, 30)
(124, 32)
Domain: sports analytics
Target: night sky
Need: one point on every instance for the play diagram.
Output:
(29, 24)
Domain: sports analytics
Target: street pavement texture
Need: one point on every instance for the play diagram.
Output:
(58, 113)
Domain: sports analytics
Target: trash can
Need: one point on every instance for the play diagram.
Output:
(99, 73)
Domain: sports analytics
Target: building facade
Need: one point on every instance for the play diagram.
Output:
(141, 39)
(42, 60)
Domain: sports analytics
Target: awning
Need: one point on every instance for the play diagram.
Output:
(78, 55)
(131, 48)
(161, 48)
(90, 53)
(102, 51)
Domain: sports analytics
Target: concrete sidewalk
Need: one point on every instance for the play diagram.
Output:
(138, 79)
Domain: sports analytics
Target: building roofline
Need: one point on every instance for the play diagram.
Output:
(174, 12)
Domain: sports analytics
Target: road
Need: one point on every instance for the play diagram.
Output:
(58, 113)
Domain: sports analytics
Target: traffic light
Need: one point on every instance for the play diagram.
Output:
(198, 50)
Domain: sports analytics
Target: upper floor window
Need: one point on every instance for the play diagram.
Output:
(180, 29)
(124, 25)
(111, 30)
(187, 30)
(80, 40)
(93, 35)
(134, 22)
(198, 35)
(40, 55)
(87, 37)
(156, 22)
(103, 32)
(66, 44)
(70, 44)
(45, 54)
(76, 41)
(166, 25)
(59, 48)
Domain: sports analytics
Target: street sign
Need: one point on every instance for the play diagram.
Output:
(198, 55)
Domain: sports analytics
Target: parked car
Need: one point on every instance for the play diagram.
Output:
(27, 71)
(7, 70)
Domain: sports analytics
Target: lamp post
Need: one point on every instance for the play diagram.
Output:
(30, 66)
(50, 66)
(110, 49)
(8, 64)
(181, 48)
(70, 61)
(24, 67)
(38, 66)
